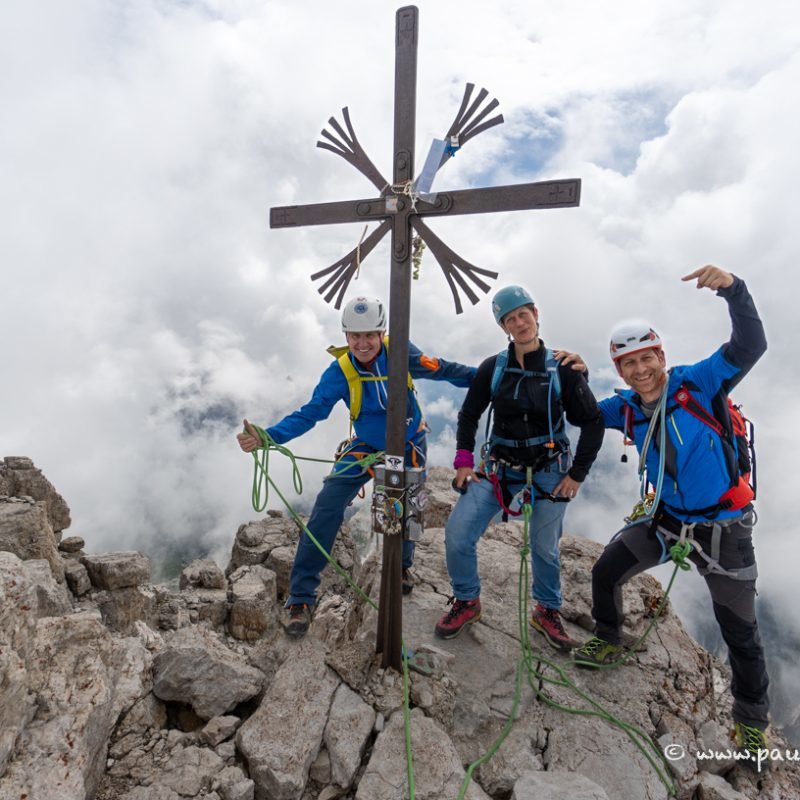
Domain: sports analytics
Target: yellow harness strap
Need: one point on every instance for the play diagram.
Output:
(355, 378)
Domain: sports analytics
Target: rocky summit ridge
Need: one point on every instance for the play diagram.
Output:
(112, 687)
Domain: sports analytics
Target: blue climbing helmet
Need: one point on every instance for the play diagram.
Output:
(509, 298)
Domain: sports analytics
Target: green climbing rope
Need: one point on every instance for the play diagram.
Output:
(261, 468)
(261, 474)
(640, 739)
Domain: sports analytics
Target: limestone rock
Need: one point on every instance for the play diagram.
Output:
(219, 729)
(123, 608)
(80, 693)
(147, 714)
(714, 738)
(252, 600)
(557, 786)
(191, 770)
(350, 724)
(151, 793)
(682, 768)
(255, 541)
(441, 497)
(320, 769)
(438, 770)
(281, 740)
(202, 574)
(714, 787)
(191, 606)
(519, 754)
(25, 530)
(72, 544)
(79, 715)
(19, 477)
(53, 598)
(77, 578)
(117, 570)
(272, 541)
(195, 667)
(233, 784)
(18, 613)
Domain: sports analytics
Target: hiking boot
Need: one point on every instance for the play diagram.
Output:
(753, 742)
(461, 613)
(548, 622)
(595, 653)
(407, 584)
(299, 620)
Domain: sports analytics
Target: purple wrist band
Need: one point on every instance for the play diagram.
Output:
(464, 458)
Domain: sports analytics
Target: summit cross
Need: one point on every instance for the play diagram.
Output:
(399, 207)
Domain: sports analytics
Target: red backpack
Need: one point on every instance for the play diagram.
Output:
(737, 434)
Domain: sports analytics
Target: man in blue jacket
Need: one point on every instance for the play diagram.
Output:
(698, 497)
(358, 378)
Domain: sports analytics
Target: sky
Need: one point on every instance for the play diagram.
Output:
(146, 306)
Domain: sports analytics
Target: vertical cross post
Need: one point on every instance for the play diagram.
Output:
(390, 613)
(398, 209)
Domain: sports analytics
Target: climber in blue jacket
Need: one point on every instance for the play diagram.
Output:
(357, 378)
(680, 423)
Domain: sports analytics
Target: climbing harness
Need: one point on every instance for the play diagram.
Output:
(496, 472)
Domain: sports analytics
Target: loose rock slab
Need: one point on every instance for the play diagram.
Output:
(196, 668)
(281, 740)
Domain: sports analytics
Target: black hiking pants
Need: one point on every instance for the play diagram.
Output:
(639, 547)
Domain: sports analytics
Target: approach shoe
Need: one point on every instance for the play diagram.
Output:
(461, 613)
(299, 620)
(548, 622)
(751, 740)
(596, 653)
(407, 583)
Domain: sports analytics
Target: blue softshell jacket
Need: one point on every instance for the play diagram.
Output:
(370, 426)
(696, 472)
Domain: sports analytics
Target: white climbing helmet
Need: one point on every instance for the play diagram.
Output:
(632, 336)
(364, 314)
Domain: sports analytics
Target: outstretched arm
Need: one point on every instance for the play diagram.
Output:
(437, 369)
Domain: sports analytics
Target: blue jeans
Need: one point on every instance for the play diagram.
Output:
(338, 491)
(474, 511)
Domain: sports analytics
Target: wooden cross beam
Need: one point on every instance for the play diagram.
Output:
(399, 208)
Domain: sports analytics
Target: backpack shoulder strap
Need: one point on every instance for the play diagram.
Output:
(684, 398)
(499, 368)
(353, 384)
(551, 366)
(354, 378)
